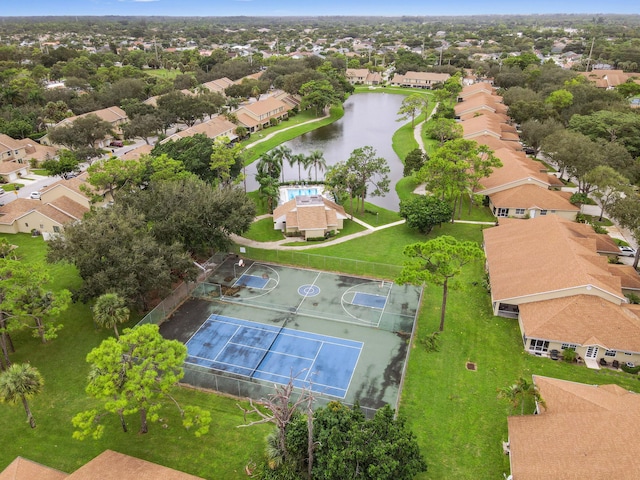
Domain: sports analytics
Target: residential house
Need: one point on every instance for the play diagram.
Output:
(256, 116)
(557, 442)
(609, 79)
(362, 76)
(529, 201)
(115, 116)
(547, 273)
(419, 79)
(478, 104)
(109, 465)
(219, 85)
(22, 152)
(309, 216)
(491, 124)
(12, 171)
(215, 127)
(24, 215)
(136, 153)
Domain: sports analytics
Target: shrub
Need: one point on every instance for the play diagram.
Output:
(633, 298)
(569, 355)
(631, 370)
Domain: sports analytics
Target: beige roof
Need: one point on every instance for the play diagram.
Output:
(357, 72)
(562, 442)
(309, 213)
(583, 320)
(480, 101)
(268, 105)
(23, 469)
(71, 183)
(427, 76)
(110, 465)
(496, 144)
(607, 78)
(8, 143)
(546, 255)
(69, 207)
(488, 124)
(212, 128)
(110, 114)
(474, 89)
(10, 167)
(628, 275)
(13, 210)
(517, 168)
(533, 196)
(218, 85)
(137, 152)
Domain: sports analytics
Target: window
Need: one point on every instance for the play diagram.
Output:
(543, 212)
(26, 224)
(569, 345)
(503, 212)
(41, 226)
(519, 211)
(539, 345)
(610, 353)
(56, 229)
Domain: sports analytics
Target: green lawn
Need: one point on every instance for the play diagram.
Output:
(39, 171)
(220, 454)
(263, 231)
(372, 215)
(349, 227)
(253, 153)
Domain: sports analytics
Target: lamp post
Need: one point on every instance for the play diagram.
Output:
(239, 264)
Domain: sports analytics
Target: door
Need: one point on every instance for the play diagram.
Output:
(592, 352)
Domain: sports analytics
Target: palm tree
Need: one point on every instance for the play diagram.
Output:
(270, 164)
(280, 154)
(268, 189)
(301, 160)
(18, 383)
(316, 160)
(110, 310)
(520, 392)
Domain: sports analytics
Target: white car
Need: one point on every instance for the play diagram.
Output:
(627, 252)
(34, 195)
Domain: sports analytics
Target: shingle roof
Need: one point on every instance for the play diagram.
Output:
(533, 196)
(318, 213)
(265, 106)
(583, 320)
(212, 128)
(111, 465)
(546, 254)
(517, 167)
(110, 114)
(559, 443)
(23, 469)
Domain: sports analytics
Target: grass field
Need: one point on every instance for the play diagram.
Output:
(263, 231)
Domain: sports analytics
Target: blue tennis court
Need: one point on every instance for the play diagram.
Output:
(252, 281)
(369, 300)
(322, 363)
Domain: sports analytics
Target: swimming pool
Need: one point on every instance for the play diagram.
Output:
(295, 192)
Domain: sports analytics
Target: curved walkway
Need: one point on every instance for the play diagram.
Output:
(417, 130)
(278, 245)
(273, 134)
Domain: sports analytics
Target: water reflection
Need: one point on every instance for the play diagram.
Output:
(369, 119)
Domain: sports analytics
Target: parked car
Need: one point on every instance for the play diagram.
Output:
(116, 143)
(34, 195)
(2, 192)
(627, 252)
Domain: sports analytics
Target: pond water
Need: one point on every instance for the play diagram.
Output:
(369, 119)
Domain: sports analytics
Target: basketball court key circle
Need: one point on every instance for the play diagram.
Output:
(309, 290)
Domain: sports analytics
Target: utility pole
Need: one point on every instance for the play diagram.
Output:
(590, 52)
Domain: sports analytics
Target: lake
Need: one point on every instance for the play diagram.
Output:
(369, 119)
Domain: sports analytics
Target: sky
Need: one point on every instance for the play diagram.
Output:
(201, 8)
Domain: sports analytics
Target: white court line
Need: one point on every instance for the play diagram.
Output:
(305, 295)
(353, 371)
(310, 370)
(225, 345)
(287, 378)
(200, 328)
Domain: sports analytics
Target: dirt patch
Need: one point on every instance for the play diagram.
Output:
(471, 366)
